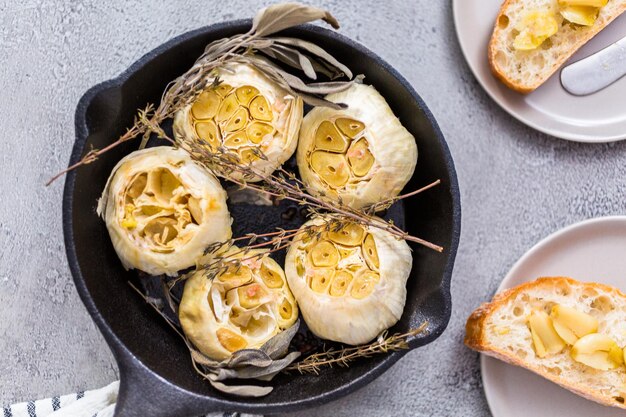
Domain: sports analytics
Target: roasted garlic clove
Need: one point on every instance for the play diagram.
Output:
(350, 234)
(361, 154)
(370, 253)
(206, 105)
(572, 324)
(585, 3)
(597, 351)
(272, 275)
(162, 210)
(328, 138)
(242, 307)
(545, 339)
(257, 131)
(580, 15)
(349, 127)
(230, 340)
(340, 283)
(236, 140)
(208, 132)
(342, 298)
(246, 108)
(360, 157)
(324, 253)
(245, 94)
(534, 28)
(332, 168)
(236, 276)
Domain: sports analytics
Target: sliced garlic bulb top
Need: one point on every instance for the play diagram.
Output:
(362, 154)
(350, 283)
(162, 210)
(246, 111)
(243, 307)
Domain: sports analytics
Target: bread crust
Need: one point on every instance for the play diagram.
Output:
(475, 337)
(525, 89)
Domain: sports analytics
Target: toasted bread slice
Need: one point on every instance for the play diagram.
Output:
(500, 329)
(524, 71)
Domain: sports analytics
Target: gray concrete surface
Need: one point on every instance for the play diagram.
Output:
(517, 185)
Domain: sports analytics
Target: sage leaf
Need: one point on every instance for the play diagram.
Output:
(255, 372)
(315, 50)
(307, 66)
(281, 16)
(292, 58)
(315, 88)
(278, 345)
(249, 357)
(321, 67)
(314, 101)
(241, 390)
(199, 358)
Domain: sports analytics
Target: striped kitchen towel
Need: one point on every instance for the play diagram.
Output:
(99, 402)
(95, 403)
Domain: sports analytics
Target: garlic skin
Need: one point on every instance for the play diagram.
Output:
(350, 285)
(162, 209)
(246, 111)
(361, 154)
(241, 308)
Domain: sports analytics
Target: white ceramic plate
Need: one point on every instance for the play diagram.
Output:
(594, 250)
(600, 117)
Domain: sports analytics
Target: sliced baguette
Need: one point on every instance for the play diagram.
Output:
(524, 71)
(500, 329)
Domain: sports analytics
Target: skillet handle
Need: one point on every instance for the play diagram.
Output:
(142, 393)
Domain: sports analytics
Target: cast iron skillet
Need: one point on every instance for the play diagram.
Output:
(157, 379)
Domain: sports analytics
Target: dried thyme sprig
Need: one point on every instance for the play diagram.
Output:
(285, 185)
(385, 204)
(249, 48)
(342, 357)
(222, 255)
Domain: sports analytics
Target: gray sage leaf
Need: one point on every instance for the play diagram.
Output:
(278, 345)
(281, 16)
(315, 88)
(322, 67)
(241, 390)
(315, 50)
(292, 58)
(300, 60)
(315, 101)
(199, 358)
(248, 357)
(254, 372)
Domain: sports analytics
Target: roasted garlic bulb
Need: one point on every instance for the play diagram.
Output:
(242, 307)
(162, 210)
(349, 281)
(362, 154)
(246, 113)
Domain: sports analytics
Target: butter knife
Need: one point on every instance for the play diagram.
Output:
(597, 71)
